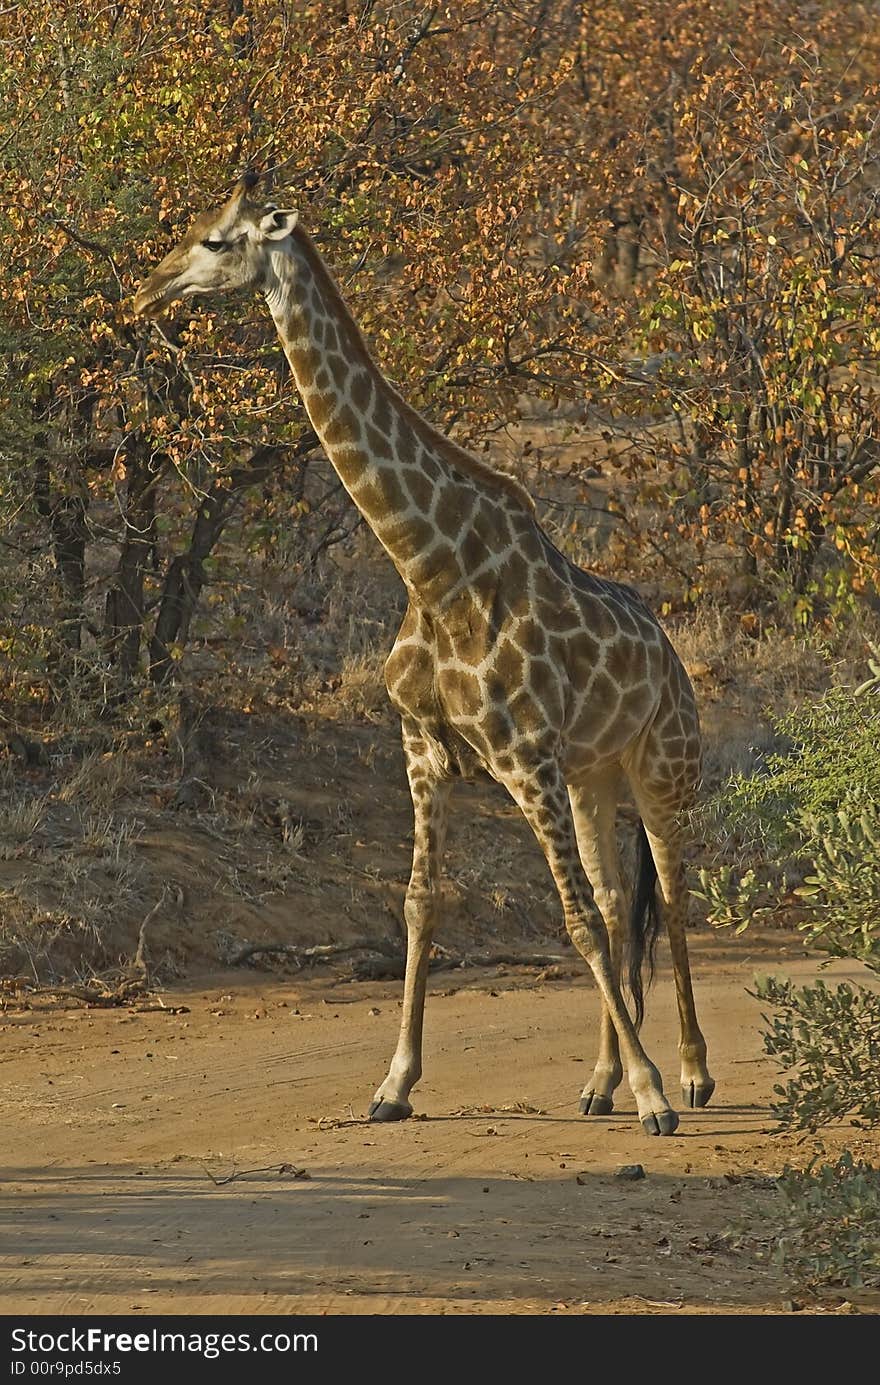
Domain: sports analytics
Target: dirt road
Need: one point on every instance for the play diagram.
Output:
(497, 1199)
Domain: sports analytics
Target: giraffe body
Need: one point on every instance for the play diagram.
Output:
(510, 659)
(585, 674)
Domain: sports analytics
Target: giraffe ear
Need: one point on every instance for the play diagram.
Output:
(277, 223)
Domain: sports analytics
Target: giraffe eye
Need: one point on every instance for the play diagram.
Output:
(215, 246)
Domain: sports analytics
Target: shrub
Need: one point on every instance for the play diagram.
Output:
(806, 827)
(828, 1039)
(831, 1231)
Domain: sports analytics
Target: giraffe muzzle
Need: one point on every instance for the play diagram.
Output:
(148, 302)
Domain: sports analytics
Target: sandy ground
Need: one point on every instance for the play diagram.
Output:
(498, 1198)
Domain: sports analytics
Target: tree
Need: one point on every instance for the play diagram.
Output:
(768, 315)
(125, 442)
(518, 210)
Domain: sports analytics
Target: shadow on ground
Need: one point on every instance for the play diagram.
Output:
(577, 1237)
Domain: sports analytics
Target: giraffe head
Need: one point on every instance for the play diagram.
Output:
(224, 249)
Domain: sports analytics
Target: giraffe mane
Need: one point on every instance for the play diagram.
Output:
(457, 456)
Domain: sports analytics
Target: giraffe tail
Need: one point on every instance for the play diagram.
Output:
(644, 922)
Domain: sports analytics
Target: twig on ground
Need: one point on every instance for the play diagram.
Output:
(160, 1008)
(321, 952)
(235, 952)
(285, 1170)
(515, 1108)
(501, 959)
(139, 961)
(103, 998)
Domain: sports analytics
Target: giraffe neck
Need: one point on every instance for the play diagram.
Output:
(439, 513)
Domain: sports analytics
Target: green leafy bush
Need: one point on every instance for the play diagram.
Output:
(829, 1040)
(805, 827)
(831, 1230)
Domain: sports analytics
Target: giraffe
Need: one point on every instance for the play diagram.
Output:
(510, 660)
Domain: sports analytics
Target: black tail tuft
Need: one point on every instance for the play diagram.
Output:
(644, 922)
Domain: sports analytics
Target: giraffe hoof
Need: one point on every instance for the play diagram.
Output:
(697, 1093)
(660, 1123)
(389, 1110)
(594, 1104)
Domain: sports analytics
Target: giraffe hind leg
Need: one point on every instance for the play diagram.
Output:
(594, 809)
(538, 787)
(664, 835)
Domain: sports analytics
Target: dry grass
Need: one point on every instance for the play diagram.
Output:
(361, 693)
(99, 781)
(44, 943)
(21, 815)
(747, 673)
(73, 879)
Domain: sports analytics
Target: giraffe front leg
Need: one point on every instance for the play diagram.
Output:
(540, 791)
(597, 1098)
(430, 795)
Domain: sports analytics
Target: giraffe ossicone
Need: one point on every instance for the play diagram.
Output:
(510, 659)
